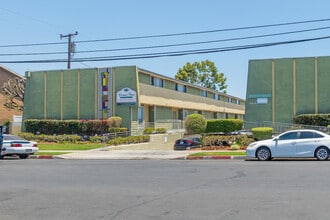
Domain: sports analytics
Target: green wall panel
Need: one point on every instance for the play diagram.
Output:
(208, 115)
(53, 95)
(70, 94)
(124, 77)
(323, 69)
(34, 96)
(305, 81)
(88, 89)
(193, 91)
(169, 85)
(259, 84)
(283, 88)
(143, 78)
(163, 113)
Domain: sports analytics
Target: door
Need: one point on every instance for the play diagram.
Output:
(285, 145)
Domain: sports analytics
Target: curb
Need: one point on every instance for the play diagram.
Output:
(42, 157)
(216, 158)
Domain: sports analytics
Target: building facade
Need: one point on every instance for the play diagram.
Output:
(279, 89)
(9, 110)
(140, 97)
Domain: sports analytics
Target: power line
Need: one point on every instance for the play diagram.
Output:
(173, 34)
(173, 53)
(171, 45)
(207, 31)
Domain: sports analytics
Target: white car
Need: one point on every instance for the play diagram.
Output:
(294, 143)
(14, 145)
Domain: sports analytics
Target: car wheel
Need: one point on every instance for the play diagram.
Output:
(23, 156)
(322, 153)
(263, 154)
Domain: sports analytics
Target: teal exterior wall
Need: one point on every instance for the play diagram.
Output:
(61, 94)
(125, 77)
(279, 89)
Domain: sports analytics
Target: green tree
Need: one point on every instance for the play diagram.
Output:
(204, 74)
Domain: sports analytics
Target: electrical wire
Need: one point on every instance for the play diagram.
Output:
(173, 34)
(173, 53)
(170, 45)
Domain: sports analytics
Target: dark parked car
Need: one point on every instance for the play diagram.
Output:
(187, 143)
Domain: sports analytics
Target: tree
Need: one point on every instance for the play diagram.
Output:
(13, 90)
(204, 74)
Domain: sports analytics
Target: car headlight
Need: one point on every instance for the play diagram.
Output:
(252, 145)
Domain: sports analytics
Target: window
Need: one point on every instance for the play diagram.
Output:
(306, 134)
(289, 136)
(180, 88)
(216, 96)
(157, 82)
(203, 93)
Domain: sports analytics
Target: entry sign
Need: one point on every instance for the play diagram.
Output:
(126, 96)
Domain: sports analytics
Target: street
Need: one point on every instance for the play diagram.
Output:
(163, 189)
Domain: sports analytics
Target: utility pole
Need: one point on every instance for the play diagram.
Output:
(70, 46)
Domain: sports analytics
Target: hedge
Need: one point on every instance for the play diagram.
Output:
(262, 133)
(312, 119)
(79, 127)
(223, 125)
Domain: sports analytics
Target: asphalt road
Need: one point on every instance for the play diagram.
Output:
(163, 189)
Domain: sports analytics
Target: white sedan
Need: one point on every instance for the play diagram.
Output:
(294, 143)
(15, 145)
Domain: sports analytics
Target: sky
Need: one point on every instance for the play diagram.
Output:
(39, 21)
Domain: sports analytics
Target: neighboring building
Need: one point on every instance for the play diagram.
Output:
(140, 97)
(5, 113)
(279, 89)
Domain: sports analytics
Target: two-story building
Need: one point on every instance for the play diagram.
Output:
(141, 97)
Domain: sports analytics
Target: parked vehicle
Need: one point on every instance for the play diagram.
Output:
(187, 143)
(15, 145)
(246, 132)
(294, 143)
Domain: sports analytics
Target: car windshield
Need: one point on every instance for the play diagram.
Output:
(7, 137)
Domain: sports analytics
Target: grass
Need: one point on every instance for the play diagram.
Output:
(69, 146)
(217, 153)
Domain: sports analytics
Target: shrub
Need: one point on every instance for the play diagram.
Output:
(129, 140)
(114, 122)
(223, 125)
(235, 147)
(96, 139)
(149, 131)
(117, 130)
(262, 133)
(161, 130)
(195, 124)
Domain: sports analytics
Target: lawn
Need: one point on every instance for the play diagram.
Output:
(69, 146)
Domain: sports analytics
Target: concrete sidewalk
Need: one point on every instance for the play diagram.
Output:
(126, 154)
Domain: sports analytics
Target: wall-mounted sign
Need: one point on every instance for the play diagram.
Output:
(262, 100)
(126, 96)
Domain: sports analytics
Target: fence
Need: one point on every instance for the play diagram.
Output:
(282, 127)
(169, 125)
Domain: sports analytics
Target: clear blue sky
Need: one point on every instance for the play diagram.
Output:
(39, 21)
